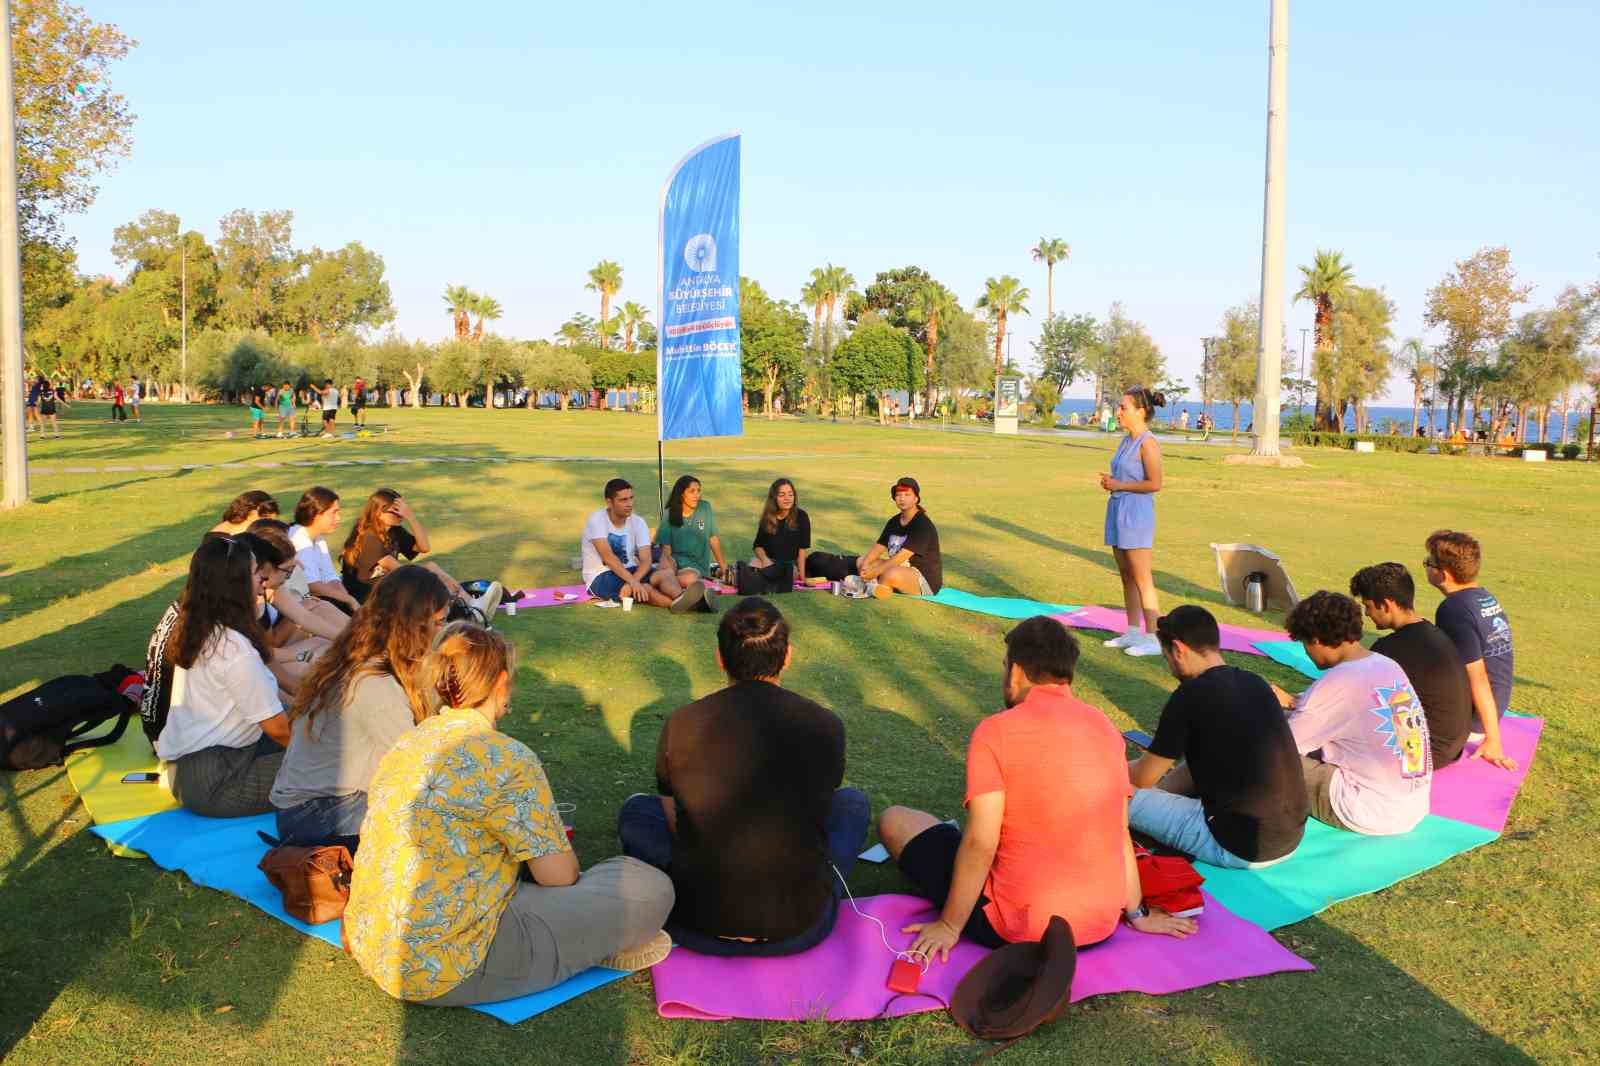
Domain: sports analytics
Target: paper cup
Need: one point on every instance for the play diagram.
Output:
(511, 610)
(627, 603)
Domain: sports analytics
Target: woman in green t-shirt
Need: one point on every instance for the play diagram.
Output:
(688, 535)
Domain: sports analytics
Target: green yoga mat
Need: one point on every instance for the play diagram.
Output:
(999, 606)
(1290, 653)
(1333, 865)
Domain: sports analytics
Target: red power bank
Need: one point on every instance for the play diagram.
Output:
(904, 975)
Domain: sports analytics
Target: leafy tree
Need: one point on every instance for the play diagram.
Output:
(772, 338)
(459, 299)
(548, 367)
(1122, 356)
(147, 243)
(487, 308)
(606, 279)
(931, 304)
(1473, 304)
(579, 330)
(1044, 396)
(631, 317)
(1062, 345)
(1050, 251)
(1002, 296)
(338, 292)
(1358, 366)
(962, 364)
(394, 360)
(70, 128)
(455, 370)
(1543, 357)
(1234, 357)
(1325, 283)
(895, 295)
(875, 358)
(647, 336)
(256, 264)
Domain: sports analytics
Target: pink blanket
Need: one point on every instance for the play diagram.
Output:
(554, 596)
(1114, 620)
(1470, 790)
(843, 978)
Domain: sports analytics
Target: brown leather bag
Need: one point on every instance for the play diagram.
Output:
(315, 882)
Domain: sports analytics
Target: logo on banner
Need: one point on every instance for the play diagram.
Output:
(700, 253)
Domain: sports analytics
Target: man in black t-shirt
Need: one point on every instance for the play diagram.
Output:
(906, 557)
(751, 823)
(1477, 625)
(1423, 651)
(1239, 798)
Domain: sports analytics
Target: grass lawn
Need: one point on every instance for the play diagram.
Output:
(1491, 958)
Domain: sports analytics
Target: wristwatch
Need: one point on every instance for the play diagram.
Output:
(1141, 911)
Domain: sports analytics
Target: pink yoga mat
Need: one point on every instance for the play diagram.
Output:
(843, 979)
(1243, 638)
(1472, 791)
(548, 597)
(1103, 618)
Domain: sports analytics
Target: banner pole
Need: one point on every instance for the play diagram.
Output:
(661, 480)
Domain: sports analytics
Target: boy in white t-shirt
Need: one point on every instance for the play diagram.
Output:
(617, 557)
(1360, 729)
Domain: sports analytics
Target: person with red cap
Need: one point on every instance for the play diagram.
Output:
(906, 557)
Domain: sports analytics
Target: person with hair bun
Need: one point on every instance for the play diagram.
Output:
(466, 889)
(245, 508)
(1134, 480)
(751, 821)
(1360, 729)
(362, 694)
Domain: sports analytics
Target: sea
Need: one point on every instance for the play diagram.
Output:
(1377, 417)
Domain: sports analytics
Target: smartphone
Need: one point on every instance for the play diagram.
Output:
(1138, 738)
(140, 778)
(877, 853)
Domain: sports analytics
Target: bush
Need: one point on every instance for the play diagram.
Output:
(1382, 441)
(1571, 451)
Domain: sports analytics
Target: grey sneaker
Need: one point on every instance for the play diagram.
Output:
(708, 600)
(688, 599)
(641, 957)
(490, 599)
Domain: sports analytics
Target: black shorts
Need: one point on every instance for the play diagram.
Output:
(929, 862)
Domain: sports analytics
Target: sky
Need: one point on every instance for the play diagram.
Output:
(511, 147)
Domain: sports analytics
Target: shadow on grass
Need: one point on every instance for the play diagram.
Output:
(1101, 557)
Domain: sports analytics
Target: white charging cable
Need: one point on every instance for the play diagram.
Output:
(883, 932)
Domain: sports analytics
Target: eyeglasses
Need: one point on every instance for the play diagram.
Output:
(1431, 564)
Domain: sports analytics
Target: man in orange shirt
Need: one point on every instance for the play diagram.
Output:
(1047, 817)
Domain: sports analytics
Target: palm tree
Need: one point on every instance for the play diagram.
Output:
(487, 308)
(1420, 370)
(836, 285)
(1325, 283)
(606, 279)
(631, 316)
(1050, 251)
(1002, 296)
(932, 303)
(812, 296)
(459, 299)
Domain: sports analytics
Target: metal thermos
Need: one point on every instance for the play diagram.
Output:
(1255, 592)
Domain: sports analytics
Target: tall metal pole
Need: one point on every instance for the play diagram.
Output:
(16, 442)
(183, 314)
(1269, 363)
(1300, 393)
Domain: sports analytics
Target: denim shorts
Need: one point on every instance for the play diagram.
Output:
(608, 586)
(1180, 822)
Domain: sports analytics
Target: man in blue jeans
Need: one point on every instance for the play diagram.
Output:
(751, 823)
(1238, 798)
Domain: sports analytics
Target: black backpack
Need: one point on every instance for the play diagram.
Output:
(831, 566)
(40, 728)
(763, 580)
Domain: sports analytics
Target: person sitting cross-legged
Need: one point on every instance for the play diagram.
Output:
(466, 889)
(1424, 652)
(1237, 798)
(1360, 728)
(1047, 818)
(617, 560)
(751, 823)
(906, 557)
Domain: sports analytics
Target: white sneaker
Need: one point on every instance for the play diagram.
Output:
(1147, 644)
(1125, 639)
(490, 599)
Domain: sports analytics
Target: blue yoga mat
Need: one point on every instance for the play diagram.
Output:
(222, 853)
(1333, 865)
(1290, 653)
(999, 606)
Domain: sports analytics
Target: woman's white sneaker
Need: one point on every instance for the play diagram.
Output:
(1147, 644)
(1125, 639)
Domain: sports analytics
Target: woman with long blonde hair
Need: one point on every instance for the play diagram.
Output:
(439, 910)
(364, 692)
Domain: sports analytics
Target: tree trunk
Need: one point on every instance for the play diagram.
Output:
(933, 342)
(999, 342)
(605, 315)
(771, 383)
(1049, 289)
(1234, 436)
(1416, 407)
(1566, 405)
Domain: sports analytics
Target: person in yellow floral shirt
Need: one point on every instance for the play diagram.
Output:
(455, 813)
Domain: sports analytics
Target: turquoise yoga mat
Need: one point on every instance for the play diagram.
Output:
(1290, 653)
(1333, 865)
(222, 853)
(999, 606)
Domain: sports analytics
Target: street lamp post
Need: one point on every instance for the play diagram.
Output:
(11, 406)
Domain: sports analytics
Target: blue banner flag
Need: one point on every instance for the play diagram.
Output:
(699, 375)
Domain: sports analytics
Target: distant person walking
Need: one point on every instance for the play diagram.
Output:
(50, 395)
(358, 403)
(119, 413)
(285, 410)
(133, 398)
(330, 406)
(1130, 531)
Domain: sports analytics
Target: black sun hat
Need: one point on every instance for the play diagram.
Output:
(1019, 987)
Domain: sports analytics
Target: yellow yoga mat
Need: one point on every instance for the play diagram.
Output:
(97, 775)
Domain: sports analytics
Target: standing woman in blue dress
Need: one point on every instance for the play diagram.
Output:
(1134, 480)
